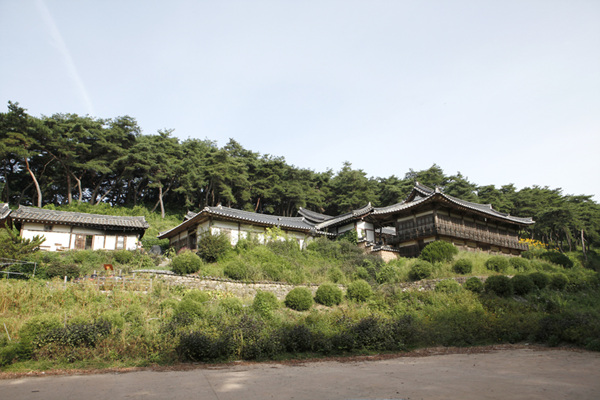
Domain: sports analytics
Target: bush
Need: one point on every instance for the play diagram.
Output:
(186, 262)
(540, 279)
(335, 274)
(359, 290)
(474, 285)
(298, 338)
(213, 247)
(558, 281)
(448, 286)
(265, 303)
(61, 270)
(499, 284)
(361, 273)
(388, 274)
(236, 269)
(122, 256)
(77, 335)
(463, 266)
(557, 258)
(192, 304)
(420, 270)
(299, 299)
(232, 305)
(438, 251)
(522, 284)
(520, 264)
(328, 294)
(497, 263)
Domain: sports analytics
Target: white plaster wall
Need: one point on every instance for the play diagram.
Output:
(345, 228)
(61, 238)
(55, 239)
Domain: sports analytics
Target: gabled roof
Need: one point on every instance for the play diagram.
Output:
(313, 216)
(422, 194)
(4, 210)
(232, 214)
(55, 217)
(344, 218)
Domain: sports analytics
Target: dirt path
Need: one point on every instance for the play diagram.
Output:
(489, 373)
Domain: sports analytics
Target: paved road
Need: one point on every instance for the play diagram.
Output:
(506, 374)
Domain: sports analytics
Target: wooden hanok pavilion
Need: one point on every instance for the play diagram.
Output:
(428, 215)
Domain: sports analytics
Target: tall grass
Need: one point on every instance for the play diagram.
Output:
(47, 321)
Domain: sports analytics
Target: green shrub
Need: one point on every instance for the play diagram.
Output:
(236, 269)
(199, 346)
(265, 303)
(299, 299)
(232, 305)
(122, 256)
(297, 338)
(350, 236)
(335, 274)
(474, 285)
(328, 294)
(557, 258)
(497, 263)
(519, 263)
(522, 284)
(558, 281)
(499, 284)
(438, 251)
(186, 262)
(463, 266)
(61, 270)
(388, 274)
(77, 335)
(213, 247)
(420, 270)
(192, 304)
(359, 290)
(448, 286)
(361, 273)
(540, 279)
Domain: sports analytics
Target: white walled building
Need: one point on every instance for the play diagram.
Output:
(65, 230)
(236, 224)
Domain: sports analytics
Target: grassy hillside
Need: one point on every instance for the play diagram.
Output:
(52, 325)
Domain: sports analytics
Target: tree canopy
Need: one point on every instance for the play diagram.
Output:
(67, 158)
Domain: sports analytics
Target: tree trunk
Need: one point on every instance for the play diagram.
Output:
(69, 188)
(35, 182)
(583, 246)
(257, 204)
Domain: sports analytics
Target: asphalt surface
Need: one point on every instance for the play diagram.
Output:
(505, 374)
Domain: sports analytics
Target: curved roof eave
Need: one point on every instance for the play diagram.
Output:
(350, 216)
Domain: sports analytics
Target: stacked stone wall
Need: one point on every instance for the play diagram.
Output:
(249, 289)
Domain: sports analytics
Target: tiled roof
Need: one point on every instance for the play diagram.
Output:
(4, 210)
(189, 215)
(422, 194)
(43, 216)
(313, 216)
(293, 223)
(352, 215)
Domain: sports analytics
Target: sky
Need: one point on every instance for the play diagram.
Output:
(500, 91)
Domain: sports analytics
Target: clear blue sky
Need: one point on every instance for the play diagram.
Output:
(502, 91)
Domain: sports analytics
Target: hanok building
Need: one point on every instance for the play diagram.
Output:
(4, 214)
(428, 215)
(236, 225)
(402, 229)
(65, 230)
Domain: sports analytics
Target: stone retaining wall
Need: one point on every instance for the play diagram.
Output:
(249, 289)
